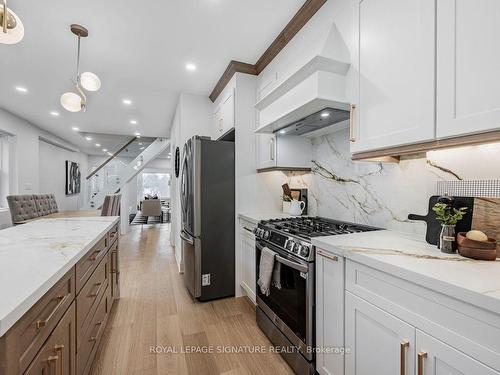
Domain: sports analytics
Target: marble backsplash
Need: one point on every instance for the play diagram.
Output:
(383, 194)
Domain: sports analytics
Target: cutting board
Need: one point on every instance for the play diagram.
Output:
(486, 218)
(434, 226)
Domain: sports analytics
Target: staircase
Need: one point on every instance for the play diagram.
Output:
(100, 187)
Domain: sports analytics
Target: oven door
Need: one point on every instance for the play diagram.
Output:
(291, 308)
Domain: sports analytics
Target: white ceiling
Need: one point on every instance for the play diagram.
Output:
(138, 49)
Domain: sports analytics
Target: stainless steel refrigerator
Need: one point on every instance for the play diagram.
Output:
(208, 214)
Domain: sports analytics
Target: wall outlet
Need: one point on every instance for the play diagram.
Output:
(205, 279)
(28, 186)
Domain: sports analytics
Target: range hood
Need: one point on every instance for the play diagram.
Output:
(311, 99)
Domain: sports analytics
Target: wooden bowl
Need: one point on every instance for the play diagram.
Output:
(479, 250)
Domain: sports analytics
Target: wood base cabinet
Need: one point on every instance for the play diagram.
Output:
(57, 355)
(247, 256)
(60, 334)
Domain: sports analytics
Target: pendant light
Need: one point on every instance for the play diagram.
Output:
(12, 29)
(75, 101)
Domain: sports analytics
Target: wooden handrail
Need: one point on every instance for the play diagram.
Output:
(111, 157)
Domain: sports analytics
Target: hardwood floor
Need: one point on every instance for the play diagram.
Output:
(157, 313)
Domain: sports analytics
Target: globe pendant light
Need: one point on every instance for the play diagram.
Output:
(77, 101)
(12, 29)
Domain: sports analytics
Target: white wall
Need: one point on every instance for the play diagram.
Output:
(25, 151)
(52, 170)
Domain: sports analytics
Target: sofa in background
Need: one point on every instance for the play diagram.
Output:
(27, 207)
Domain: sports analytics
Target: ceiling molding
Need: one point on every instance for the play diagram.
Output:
(298, 21)
(233, 67)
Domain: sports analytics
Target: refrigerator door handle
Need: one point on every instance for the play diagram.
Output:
(186, 237)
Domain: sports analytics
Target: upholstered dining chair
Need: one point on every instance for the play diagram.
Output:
(151, 207)
(111, 205)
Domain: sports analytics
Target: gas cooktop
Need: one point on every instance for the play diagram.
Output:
(308, 227)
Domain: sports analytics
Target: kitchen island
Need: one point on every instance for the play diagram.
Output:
(399, 304)
(58, 280)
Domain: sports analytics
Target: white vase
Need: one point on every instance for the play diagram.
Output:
(286, 207)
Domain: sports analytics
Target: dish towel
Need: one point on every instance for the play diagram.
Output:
(277, 275)
(266, 266)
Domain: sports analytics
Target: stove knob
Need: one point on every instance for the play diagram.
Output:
(266, 234)
(298, 249)
(304, 251)
(255, 231)
(290, 244)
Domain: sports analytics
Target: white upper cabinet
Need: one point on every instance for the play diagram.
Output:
(395, 84)
(468, 61)
(224, 112)
(286, 152)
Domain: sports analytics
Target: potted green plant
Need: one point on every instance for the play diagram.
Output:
(448, 216)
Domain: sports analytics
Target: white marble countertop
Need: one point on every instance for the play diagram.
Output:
(411, 258)
(34, 256)
(255, 217)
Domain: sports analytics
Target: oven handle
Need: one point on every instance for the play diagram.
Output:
(294, 265)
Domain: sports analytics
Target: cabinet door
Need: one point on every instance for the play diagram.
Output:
(329, 313)
(228, 115)
(436, 358)
(266, 151)
(468, 78)
(379, 343)
(218, 123)
(57, 355)
(247, 246)
(396, 81)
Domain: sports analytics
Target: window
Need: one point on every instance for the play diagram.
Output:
(4, 170)
(154, 184)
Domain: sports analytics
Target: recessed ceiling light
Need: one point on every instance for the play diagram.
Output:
(88, 138)
(21, 89)
(97, 145)
(104, 150)
(137, 134)
(75, 128)
(54, 113)
(109, 153)
(142, 148)
(191, 67)
(325, 114)
(282, 131)
(133, 122)
(140, 143)
(127, 101)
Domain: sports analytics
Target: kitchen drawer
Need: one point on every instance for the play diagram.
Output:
(20, 344)
(90, 341)
(85, 267)
(468, 328)
(113, 234)
(88, 298)
(115, 270)
(57, 355)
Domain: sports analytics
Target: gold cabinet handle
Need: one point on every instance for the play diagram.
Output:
(52, 359)
(43, 323)
(93, 295)
(352, 138)
(403, 348)
(421, 357)
(328, 256)
(60, 350)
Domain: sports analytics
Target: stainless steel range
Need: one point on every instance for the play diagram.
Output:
(286, 315)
